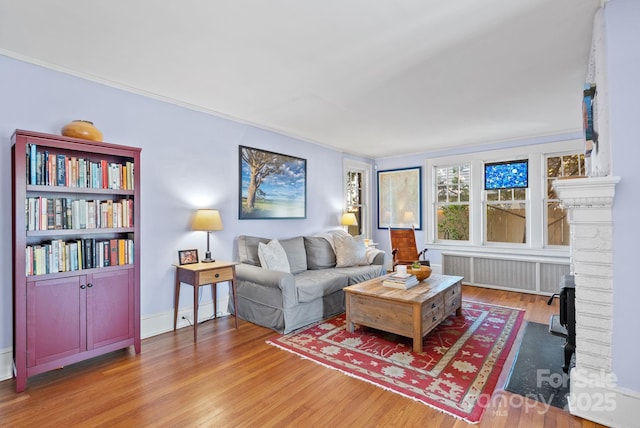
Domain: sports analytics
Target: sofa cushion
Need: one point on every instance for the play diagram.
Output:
(314, 284)
(358, 274)
(248, 249)
(272, 256)
(296, 254)
(320, 254)
(350, 250)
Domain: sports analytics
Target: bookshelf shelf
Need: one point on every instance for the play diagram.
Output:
(76, 251)
(79, 232)
(39, 189)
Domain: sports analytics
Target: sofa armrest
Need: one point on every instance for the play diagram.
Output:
(378, 259)
(269, 278)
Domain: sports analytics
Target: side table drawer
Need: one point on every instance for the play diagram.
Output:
(216, 275)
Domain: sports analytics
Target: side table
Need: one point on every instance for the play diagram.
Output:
(199, 274)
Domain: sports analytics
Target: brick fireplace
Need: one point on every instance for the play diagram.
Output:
(589, 203)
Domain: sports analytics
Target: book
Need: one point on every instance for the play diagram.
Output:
(113, 245)
(32, 164)
(402, 281)
(58, 214)
(61, 170)
(401, 285)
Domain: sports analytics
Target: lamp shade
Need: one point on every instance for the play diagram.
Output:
(207, 220)
(349, 219)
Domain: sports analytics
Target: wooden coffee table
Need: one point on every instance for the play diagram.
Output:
(411, 313)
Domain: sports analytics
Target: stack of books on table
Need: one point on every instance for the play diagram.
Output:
(400, 280)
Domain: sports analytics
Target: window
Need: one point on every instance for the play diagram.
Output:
(571, 165)
(501, 200)
(357, 182)
(354, 197)
(452, 205)
(505, 186)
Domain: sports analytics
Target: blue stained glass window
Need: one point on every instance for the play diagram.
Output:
(506, 175)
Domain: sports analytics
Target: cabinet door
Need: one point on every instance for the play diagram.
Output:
(109, 307)
(55, 319)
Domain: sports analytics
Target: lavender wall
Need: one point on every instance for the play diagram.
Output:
(189, 160)
(622, 32)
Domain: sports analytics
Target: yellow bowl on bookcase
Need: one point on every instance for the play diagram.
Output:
(422, 273)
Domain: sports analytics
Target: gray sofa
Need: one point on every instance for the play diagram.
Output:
(311, 291)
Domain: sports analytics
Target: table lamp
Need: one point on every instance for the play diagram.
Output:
(208, 221)
(348, 219)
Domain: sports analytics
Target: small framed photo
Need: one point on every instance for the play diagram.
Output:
(187, 257)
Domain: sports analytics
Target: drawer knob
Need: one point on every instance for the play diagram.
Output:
(434, 319)
(217, 275)
(433, 305)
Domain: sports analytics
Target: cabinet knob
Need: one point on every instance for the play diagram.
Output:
(434, 319)
(89, 285)
(433, 305)
(217, 275)
(82, 286)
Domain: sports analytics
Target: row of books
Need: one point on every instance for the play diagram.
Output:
(65, 256)
(64, 213)
(50, 169)
(400, 280)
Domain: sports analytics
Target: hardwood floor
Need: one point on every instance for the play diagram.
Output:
(232, 378)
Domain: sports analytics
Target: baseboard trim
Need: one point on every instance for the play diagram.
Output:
(594, 396)
(6, 364)
(150, 325)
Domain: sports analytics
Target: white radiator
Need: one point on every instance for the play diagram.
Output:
(532, 275)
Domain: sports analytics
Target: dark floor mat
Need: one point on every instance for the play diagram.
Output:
(537, 371)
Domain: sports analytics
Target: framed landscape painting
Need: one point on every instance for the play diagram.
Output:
(400, 198)
(272, 185)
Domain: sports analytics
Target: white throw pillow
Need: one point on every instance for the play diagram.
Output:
(350, 250)
(272, 256)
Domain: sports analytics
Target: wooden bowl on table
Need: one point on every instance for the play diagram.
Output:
(422, 273)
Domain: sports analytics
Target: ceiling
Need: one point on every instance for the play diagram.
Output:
(374, 78)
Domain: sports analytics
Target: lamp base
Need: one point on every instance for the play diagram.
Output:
(207, 258)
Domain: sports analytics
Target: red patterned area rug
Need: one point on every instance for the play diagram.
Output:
(456, 372)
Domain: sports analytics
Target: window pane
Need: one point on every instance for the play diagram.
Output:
(557, 225)
(442, 194)
(507, 223)
(519, 194)
(553, 166)
(453, 222)
(506, 195)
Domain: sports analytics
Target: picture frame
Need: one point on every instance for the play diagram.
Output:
(588, 118)
(188, 257)
(272, 185)
(400, 198)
